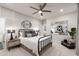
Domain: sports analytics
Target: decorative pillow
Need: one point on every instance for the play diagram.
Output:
(29, 35)
(34, 34)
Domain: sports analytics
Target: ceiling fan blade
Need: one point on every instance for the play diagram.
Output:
(46, 11)
(41, 14)
(43, 6)
(34, 8)
(35, 12)
(40, 7)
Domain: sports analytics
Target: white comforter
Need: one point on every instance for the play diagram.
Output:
(31, 43)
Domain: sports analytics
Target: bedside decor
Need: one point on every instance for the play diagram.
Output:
(11, 32)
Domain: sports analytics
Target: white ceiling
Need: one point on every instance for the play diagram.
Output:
(54, 7)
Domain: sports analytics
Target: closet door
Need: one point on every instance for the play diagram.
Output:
(2, 29)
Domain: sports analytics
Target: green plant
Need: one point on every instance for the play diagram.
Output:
(72, 32)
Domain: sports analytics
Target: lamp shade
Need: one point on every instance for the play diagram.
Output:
(11, 31)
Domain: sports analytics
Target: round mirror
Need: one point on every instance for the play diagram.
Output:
(26, 24)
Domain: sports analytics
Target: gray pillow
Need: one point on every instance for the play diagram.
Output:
(29, 35)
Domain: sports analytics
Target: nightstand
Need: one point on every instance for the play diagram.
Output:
(13, 43)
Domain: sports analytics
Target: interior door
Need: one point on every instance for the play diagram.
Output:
(2, 29)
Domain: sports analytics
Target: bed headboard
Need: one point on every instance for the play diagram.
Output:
(27, 33)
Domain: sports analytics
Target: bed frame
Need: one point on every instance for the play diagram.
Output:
(43, 45)
(42, 48)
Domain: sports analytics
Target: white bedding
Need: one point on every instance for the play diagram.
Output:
(31, 43)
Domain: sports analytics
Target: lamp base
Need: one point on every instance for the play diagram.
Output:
(11, 37)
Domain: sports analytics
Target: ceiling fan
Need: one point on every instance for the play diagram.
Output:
(40, 10)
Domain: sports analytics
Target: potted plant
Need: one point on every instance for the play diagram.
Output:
(72, 34)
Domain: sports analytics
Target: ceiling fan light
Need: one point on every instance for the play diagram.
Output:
(40, 12)
(61, 10)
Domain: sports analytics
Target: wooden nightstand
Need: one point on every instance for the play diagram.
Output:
(13, 43)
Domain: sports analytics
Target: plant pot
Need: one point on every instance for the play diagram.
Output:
(72, 40)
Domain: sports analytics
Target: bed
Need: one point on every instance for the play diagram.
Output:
(36, 44)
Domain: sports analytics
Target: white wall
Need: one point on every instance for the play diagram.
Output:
(2, 29)
(77, 39)
(0, 11)
(14, 19)
(71, 18)
(72, 22)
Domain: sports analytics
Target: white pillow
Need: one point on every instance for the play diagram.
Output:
(29, 35)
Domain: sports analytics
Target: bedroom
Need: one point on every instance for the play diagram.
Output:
(17, 16)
